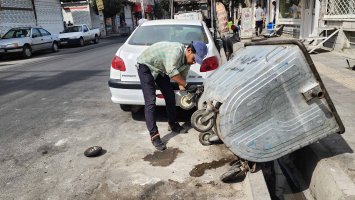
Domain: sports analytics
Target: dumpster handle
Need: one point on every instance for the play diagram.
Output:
(267, 55)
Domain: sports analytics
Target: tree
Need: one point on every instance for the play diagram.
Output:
(161, 7)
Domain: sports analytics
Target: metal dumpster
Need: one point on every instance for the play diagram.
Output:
(271, 101)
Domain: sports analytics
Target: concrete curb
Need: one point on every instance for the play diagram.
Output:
(255, 186)
(327, 180)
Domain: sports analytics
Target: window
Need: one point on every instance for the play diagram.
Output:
(35, 33)
(17, 33)
(72, 29)
(44, 32)
(341, 8)
(85, 29)
(148, 35)
(290, 9)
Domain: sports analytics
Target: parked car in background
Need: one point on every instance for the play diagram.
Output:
(79, 34)
(124, 81)
(26, 40)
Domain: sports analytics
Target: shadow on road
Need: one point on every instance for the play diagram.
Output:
(38, 82)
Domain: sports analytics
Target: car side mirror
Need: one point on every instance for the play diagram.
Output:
(85, 30)
(34, 36)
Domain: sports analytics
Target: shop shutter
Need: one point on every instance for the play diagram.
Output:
(49, 15)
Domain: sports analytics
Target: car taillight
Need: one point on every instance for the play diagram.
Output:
(160, 96)
(117, 63)
(209, 64)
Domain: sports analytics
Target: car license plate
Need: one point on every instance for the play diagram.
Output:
(64, 42)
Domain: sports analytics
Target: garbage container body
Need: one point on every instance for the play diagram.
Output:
(273, 101)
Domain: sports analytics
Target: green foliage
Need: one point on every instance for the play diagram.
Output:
(161, 7)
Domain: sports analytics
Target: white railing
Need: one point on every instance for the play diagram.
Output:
(344, 9)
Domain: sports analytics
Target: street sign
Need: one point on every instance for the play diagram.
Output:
(99, 4)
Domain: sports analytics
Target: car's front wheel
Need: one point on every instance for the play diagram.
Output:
(27, 51)
(96, 39)
(125, 107)
(55, 47)
(81, 42)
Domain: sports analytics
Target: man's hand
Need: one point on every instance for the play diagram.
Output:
(181, 87)
(179, 80)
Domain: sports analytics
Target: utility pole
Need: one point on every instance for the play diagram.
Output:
(142, 6)
(100, 8)
(171, 9)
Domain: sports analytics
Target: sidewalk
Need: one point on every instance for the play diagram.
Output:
(329, 165)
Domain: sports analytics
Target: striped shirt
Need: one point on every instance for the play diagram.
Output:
(165, 58)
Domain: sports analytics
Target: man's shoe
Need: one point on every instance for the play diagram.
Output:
(157, 143)
(176, 128)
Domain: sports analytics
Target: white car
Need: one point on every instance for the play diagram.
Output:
(26, 40)
(79, 34)
(124, 81)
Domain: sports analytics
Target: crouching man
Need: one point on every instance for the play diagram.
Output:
(158, 64)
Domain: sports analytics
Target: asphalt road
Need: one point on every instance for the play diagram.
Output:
(55, 105)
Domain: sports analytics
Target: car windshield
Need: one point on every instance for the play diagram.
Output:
(17, 33)
(148, 35)
(72, 29)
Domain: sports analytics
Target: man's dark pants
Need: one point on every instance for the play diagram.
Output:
(258, 27)
(148, 85)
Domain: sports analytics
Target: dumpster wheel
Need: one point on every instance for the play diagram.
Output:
(204, 138)
(198, 125)
(186, 103)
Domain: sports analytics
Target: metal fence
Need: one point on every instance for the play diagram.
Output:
(340, 9)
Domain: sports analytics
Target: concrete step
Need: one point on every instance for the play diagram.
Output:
(326, 180)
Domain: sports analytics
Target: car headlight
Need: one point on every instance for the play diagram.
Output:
(12, 45)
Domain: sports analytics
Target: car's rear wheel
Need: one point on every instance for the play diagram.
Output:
(96, 39)
(81, 42)
(55, 47)
(125, 107)
(27, 51)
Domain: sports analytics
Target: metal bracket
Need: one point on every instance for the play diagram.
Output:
(314, 91)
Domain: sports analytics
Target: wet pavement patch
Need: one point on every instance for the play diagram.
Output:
(51, 149)
(163, 158)
(200, 169)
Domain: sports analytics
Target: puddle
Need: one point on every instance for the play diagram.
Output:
(200, 169)
(163, 158)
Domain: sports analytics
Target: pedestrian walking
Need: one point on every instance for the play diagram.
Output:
(259, 20)
(274, 12)
(158, 64)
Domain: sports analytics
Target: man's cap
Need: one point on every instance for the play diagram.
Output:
(201, 51)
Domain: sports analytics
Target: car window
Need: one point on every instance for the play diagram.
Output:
(148, 35)
(17, 33)
(43, 32)
(35, 33)
(72, 29)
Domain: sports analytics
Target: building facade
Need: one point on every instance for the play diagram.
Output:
(80, 13)
(328, 21)
(44, 13)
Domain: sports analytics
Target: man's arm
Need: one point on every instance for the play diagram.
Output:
(180, 81)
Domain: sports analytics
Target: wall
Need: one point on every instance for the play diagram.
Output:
(49, 15)
(15, 14)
